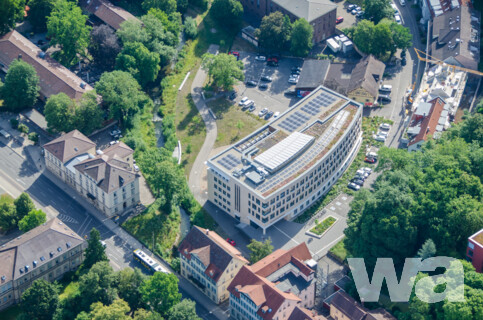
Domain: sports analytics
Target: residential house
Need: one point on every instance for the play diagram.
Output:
(104, 10)
(359, 81)
(474, 251)
(54, 78)
(210, 262)
(46, 252)
(321, 14)
(106, 179)
(275, 287)
(344, 307)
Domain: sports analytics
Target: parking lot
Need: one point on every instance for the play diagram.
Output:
(349, 19)
(273, 97)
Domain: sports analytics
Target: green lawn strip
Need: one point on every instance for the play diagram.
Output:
(321, 227)
(368, 125)
(232, 123)
(339, 251)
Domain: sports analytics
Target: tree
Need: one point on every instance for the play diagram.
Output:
(59, 113)
(274, 32)
(428, 250)
(168, 6)
(95, 251)
(139, 61)
(301, 38)
(169, 184)
(228, 13)
(378, 9)
(116, 311)
(141, 314)
(40, 300)
(202, 4)
(129, 282)
(132, 31)
(401, 36)
(223, 69)
(259, 250)
(185, 310)
(20, 89)
(171, 23)
(383, 38)
(88, 114)
(66, 26)
(32, 220)
(38, 13)
(98, 285)
(364, 36)
(23, 205)
(11, 11)
(191, 29)
(160, 292)
(8, 219)
(121, 94)
(104, 46)
(182, 5)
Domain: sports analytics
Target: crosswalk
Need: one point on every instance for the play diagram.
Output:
(67, 219)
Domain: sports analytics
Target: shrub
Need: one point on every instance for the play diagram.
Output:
(190, 28)
(14, 123)
(23, 128)
(176, 264)
(34, 136)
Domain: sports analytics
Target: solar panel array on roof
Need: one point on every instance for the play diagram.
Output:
(294, 121)
(229, 161)
(322, 100)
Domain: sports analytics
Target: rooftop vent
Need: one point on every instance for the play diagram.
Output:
(68, 245)
(42, 55)
(34, 264)
(26, 268)
(83, 85)
(3, 278)
(59, 249)
(21, 270)
(42, 258)
(51, 254)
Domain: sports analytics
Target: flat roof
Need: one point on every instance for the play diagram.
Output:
(313, 73)
(283, 149)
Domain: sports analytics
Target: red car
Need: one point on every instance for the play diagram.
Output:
(370, 160)
(235, 53)
(231, 241)
(339, 20)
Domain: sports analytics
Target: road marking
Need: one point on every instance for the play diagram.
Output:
(20, 181)
(66, 218)
(286, 235)
(330, 244)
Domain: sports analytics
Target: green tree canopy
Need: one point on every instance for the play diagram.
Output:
(95, 251)
(259, 250)
(40, 300)
(427, 250)
(364, 36)
(66, 26)
(104, 46)
(21, 86)
(301, 38)
(121, 94)
(274, 32)
(32, 220)
(228, 13)
(160, 292)
(185, 310)
(38, 13)
(129, 282)
(378, 9)
(116, 311)
(88, 114)
(223, 69)
(191, 29)
(171, 23)
(142, 314)
(59, 113)
(168, 6)
(23, 205)
(8, 219)
(11, 12)
(383, 40)
(139, 61)
(98, 285)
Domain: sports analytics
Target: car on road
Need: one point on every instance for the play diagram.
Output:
(276, 115)
(231, 241)
(394, 8)
(353, 186)
(384, 98)
(385, 126)
(290, 93)
(252, 108)
(261, 58)
(385, 88)
(380, 138)
(268, 115)
(402, 2)
(262, 112)
(266, 78)
(263, 86)
(398, 19)
(116, 218)
(339, 20)
(103, 243)
(252, 83)
(359, 182)
(242, 101)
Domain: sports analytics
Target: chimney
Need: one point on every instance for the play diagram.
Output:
(207, 231)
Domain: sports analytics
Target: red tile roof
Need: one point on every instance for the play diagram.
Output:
(348, 306)
(54, 78)
(112, 15)
(429, 123)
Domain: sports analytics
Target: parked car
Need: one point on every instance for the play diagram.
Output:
(370, 159)
(384, 98)
(272, 63)
(383, 133)
(362, 173)
(360, 14)
(276, 115)
(380, 138)
(293, 79)
(251, 108)
(262, 112)
(402, 2)
(113, 143)
(351, 7)
(231, 241)
(6, 135)
(339, 20)
(296, 72)
(261, 58)
(263, 86)
(266, 78)
(252, 83)
(385, 126)
(359, 182)
(235, 53)
(248, 104)
(290, 92)
(115, 132)
(403, 53)
(272, 59)
(353, 186)
(295, 69)
(394, 8)
(385, 88)
(103, 244)
(403, 61)
(397, 17)
(354, 12)
(233, 95)
(367, 169)
(242, 101)
(268, 115)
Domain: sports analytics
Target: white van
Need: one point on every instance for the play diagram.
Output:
(385, 88)
(5, 134)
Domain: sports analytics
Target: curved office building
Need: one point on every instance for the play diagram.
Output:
(281, 169)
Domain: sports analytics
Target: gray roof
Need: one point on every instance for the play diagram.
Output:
(69, 145)
(455, 37)
(40, 244)
(313, 73)
(307, 9)
(423, 109)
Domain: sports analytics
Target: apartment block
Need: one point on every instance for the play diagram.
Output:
(46, 252)
(281, 169)
(474, 250)
(209, 262)
(276, 287)
(106, 179)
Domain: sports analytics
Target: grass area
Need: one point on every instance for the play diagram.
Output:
(339, 251)
(232, 122)
(321, 227)
(369, 124)
(11, 313)
(71, 288)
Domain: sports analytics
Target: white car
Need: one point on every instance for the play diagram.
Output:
(115, 132)
(260, 58)
(367, 170)
(383, 133)
(380, 138)
(276, 115)
(385, 88)
(263, 112)
(293, 79)
(242, 101)
(353, 186)
(385, 126)
(402, 2)
(398, 19)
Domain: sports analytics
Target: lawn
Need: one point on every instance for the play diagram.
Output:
(339, 251)
(232, 123)
(323, 226)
